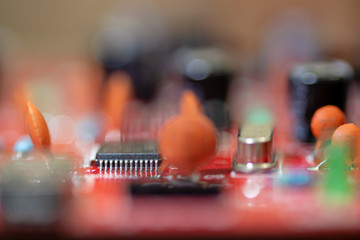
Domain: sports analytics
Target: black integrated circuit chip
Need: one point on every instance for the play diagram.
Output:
(128, 156)
(174, 189)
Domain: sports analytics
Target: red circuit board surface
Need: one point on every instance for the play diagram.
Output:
(99, 204)
(248, 205)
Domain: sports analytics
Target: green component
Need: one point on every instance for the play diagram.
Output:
(336, 183)
(260, 116)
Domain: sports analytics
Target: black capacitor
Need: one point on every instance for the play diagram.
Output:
(140, 49)
(313, 85)
(207, 71)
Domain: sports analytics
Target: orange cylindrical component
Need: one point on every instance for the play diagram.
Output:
(348, 136)
(188, 141)
(38, 129)
(325, 120)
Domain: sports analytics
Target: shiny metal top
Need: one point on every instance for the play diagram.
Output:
(254, 152)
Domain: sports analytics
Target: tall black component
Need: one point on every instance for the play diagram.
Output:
(208, 73)
(313, 85)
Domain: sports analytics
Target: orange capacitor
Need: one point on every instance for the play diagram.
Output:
(118, 91)
(190, 104)
(38, 129)
(325, 120)
(348, 135)
(188, 140)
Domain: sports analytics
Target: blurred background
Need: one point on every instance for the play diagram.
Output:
(235, 55)
(67, 27)
(114, 71)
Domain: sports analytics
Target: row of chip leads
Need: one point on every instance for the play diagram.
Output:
(129, 166)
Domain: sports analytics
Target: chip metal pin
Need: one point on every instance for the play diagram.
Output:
(106, 166)
(116, 165)
(111, 166)
(126, 165)
(100, 166)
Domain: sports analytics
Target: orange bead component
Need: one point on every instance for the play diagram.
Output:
(118, 91)
(190, 104)
(188, 141)
(348, 136)
(38, 129)
(325, 120)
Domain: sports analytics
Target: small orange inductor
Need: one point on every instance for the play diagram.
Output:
(188, 140)
(348, 136)
(38, 129)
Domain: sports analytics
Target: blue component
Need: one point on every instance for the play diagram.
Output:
(24, 145)
(299, 179)
(295, 179)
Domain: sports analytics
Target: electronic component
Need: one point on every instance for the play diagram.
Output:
(254, 152)
(208, 73)
(32, 194)
(128, 157)
(323, 123)
(190, 104)
(325, 120)
(313, 85)
(300, 178)
(118, 91)
(337, 187)
(348, 136)
(38, 129)
(23, 145)
(188, 140)
(174, 188)
(128, 45)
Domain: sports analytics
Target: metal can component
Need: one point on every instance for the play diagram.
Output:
(254, 152)
(313, 85)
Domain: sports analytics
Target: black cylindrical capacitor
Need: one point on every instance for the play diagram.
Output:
(138, 46)
(207, 71)
(313, 85)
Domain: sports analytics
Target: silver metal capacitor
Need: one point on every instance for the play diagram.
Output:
(254, 151)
